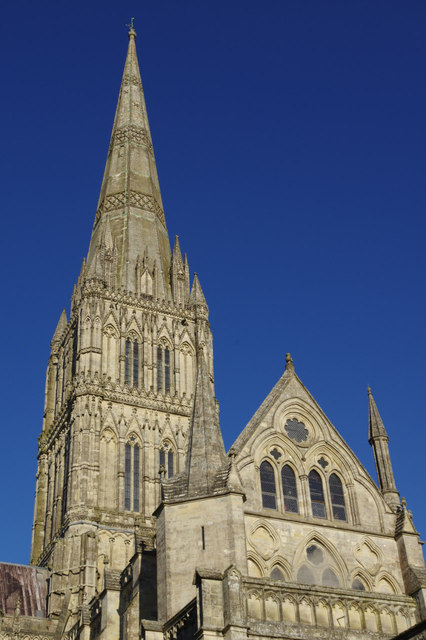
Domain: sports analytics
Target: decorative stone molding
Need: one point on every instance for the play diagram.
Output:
(130, 198)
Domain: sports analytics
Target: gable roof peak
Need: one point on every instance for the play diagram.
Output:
(289, 364)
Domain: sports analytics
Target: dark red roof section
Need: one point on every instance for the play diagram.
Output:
(26, 583)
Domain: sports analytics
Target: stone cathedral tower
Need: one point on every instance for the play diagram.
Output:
(144, 528)
(120, 378)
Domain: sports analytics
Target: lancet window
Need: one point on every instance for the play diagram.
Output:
(131, 362)
(267, 483)
(277, 574)
(132, 462)
(289, 489)
(337, 498)
(66, 471)
(167, 459)
(163, 367)
(358, 585)
(317, 495)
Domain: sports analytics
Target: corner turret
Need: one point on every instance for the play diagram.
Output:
(378, 438)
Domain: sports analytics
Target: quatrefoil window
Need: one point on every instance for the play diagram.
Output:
(296, 430)
(323, 462)
(275, 453)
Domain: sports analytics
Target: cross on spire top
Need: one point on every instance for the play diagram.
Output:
(131, 26)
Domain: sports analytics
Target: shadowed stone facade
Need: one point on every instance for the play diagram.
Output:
(143, 525)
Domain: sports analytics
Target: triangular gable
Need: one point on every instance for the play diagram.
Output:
(290, 396)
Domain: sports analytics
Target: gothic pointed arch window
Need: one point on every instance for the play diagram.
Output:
(318, 566)
(317, 495)
(167, 459)
(358, 585)
(288, 480)
(267, 483)
(163, 366)
(337, 497)
(277, 573)
(132, 474)
(131, 360)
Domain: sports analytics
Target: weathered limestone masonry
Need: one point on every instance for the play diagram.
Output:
(143, 526)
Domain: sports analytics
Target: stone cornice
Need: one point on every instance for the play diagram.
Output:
(141, 302)
(86, 384)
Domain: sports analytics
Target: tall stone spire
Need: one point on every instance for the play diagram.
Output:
(378, 438)
(130, 198)
(206, 452)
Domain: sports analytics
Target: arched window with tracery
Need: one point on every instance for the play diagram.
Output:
(167, 459)
(317, 495)
(337, 497)
(131, 361)
(267, 483)
(289, 489)
(319, 567)
(163, 367)
(132, 475)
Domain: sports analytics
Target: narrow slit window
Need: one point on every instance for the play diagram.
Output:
(337, 498)
(267, 483)
(127, 477)
(170, 463)
(317, 495)
(166, 369)
(135, 364)
(289, 489)
(136, 459)
(132, 475)
(159, 369)
(128, 362)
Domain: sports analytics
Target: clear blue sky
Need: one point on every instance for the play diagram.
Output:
(290, 143)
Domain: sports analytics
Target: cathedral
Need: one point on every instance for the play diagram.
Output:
(144, 526)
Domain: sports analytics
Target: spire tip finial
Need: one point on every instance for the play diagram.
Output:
(132, 32)
(369, 391)
(289, 364)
